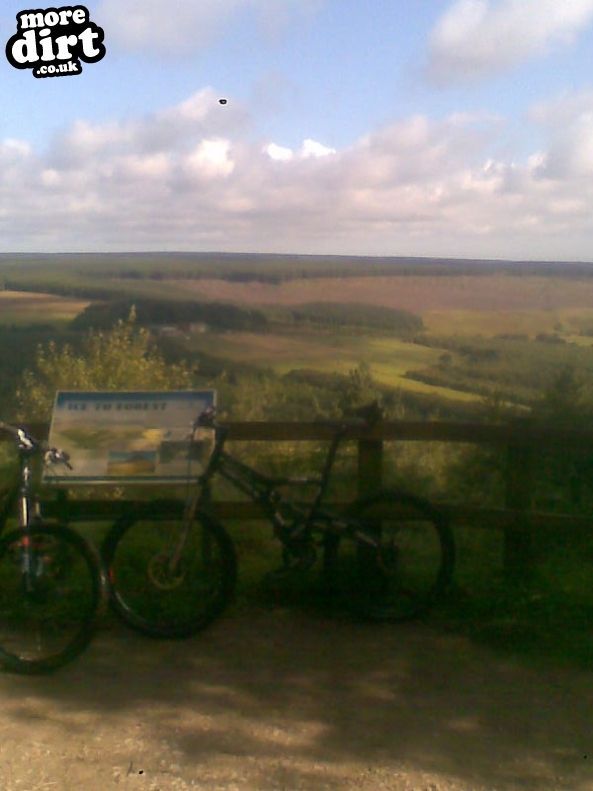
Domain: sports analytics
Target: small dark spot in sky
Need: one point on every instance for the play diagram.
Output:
(222, 101)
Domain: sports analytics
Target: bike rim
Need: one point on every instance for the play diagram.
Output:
(48, 598)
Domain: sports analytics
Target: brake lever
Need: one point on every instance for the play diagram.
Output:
(206, 419)
(57, 456)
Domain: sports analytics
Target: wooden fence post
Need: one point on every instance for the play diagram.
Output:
(370, 481)
(519, 485)
(370, 466)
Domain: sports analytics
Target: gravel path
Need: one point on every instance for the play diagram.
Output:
(273, 699)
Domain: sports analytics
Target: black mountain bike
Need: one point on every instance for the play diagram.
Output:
(50, 578)
(392, 554)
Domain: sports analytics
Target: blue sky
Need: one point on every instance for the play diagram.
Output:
(395, 127)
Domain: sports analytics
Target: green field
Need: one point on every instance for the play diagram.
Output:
(567, 322)
(20, 308)
(390, 359)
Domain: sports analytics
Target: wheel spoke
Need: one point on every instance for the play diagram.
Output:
(49, 594)
(410, 565)
(169, 579)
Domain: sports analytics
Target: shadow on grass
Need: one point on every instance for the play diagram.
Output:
(544, 617)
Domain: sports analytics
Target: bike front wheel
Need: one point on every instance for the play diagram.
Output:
(399, 557)
(169, 578)
(50, 591)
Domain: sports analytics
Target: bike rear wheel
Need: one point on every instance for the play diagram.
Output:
(167, 578)
(50, 591)
(398, 558)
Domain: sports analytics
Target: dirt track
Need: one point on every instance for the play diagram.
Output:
(277, 699)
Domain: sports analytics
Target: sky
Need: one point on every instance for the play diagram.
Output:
(450, 128)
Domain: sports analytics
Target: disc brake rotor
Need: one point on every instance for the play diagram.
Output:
(163, 575)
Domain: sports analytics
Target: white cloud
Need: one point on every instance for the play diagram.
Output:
(181, 180)
(165, 27)
(568, 106)
(50, 177)
(569, 123)
(198, 117)
(186, 26)
(476, 38)
(311, 148)
(211, 159)
(279, 153)
(147, 166)
(14, 149)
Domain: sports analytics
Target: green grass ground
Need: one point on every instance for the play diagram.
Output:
(566, 321)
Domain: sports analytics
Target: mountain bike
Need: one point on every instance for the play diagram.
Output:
(50, 578)
(392, 554)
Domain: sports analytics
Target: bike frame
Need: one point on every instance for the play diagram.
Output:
(22, 491)
(23, 496)
(289, 520)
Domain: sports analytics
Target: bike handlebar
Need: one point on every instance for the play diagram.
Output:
(28, 444)
(206, 419)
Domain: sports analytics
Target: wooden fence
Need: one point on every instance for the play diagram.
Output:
(522, 439)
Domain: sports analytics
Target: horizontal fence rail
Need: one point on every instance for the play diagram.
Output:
(523, 439)
(521, 431)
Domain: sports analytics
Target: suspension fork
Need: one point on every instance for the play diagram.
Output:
(201, 495)
(26, 506)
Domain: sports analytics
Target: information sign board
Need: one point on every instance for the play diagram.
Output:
(129, 437)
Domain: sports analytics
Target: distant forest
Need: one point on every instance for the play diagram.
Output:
(225, 316)
(91, 275)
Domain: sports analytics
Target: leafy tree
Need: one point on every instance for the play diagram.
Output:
(565, 477)
(567, 401)
(122, 358)
(360, 389)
